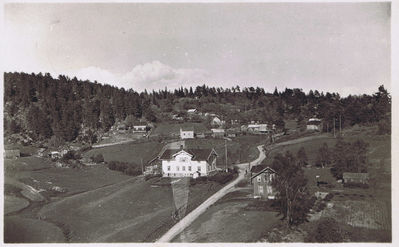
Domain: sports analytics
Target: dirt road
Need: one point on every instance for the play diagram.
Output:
(186, 221)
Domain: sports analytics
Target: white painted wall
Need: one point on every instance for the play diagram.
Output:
(186, 134)
(179, 167)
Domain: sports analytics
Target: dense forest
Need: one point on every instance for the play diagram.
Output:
(43, 107)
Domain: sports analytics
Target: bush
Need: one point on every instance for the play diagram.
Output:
(72, 155)
(328, 231)
(128, 169)
(99, 158)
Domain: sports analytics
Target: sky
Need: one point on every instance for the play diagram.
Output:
(335, 47)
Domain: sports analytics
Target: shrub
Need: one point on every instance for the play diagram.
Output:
(128, 169)
(328, 231)
(72, 155)
(99, 158)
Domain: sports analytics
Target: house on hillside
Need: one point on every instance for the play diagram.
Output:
(258, 128)
(187, 132)
(12, 153)
(188, 162)
(139, 127)
(216, 121)
(55, 155)
(262, 183)
(355, 178)
(217, 133)
(314, 124)
(192, 111)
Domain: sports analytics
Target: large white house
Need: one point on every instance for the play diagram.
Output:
(188, 162)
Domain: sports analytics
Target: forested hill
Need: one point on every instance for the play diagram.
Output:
(41, 106)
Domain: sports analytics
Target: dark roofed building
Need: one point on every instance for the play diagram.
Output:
(198, 154)
(188, 162)
(262, 183)
(355, 178)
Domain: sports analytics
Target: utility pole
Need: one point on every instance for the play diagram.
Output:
(225, 149)
(340, 124)
(142, 166)
(334, 127)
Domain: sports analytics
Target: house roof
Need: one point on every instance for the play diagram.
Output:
(187, 128)
(265, 169)
(355, 175)
(191, 110)
(217, 130)
(198, 154)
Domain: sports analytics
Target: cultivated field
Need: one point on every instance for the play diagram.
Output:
(235, 218)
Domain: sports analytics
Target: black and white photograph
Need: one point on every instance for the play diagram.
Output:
(197, 122)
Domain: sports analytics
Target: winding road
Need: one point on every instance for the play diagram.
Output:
(188, 219)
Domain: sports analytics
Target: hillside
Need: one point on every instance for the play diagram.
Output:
(39, 107)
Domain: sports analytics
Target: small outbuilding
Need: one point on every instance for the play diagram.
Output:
(217, 133)
(187, 132)
(355, 178)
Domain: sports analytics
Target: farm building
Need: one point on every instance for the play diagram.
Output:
(262, 183)
(55, 155)
(187, 132)
(192, 111)
(217, 133)
(188, 162)
(216, 121)
(154, 167)
(355, 178)
(313, 124)
(258, 128)
(140, 127)
(12, 154)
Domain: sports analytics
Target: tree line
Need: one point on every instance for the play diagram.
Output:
(43, 107)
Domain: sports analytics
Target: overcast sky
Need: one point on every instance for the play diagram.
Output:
(336, 47)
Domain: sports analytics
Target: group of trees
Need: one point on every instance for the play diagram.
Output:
(63, 107)
(293, 198)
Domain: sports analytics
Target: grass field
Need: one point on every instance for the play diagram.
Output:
(24, 230)
(167, 129)
(239, 150)
(72, 180)
(231, 219)
(311, 148)
(130, 152)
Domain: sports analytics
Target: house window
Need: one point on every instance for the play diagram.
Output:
(177, 168)
(168, 168)
(189, 168)
(183, 168)
(260, 189)
(199, 168)
(259, 179)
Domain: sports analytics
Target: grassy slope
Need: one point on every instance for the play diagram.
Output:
(23, 230)
(240, 149)
(174, 128)
(124, 212)
(131, 152)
